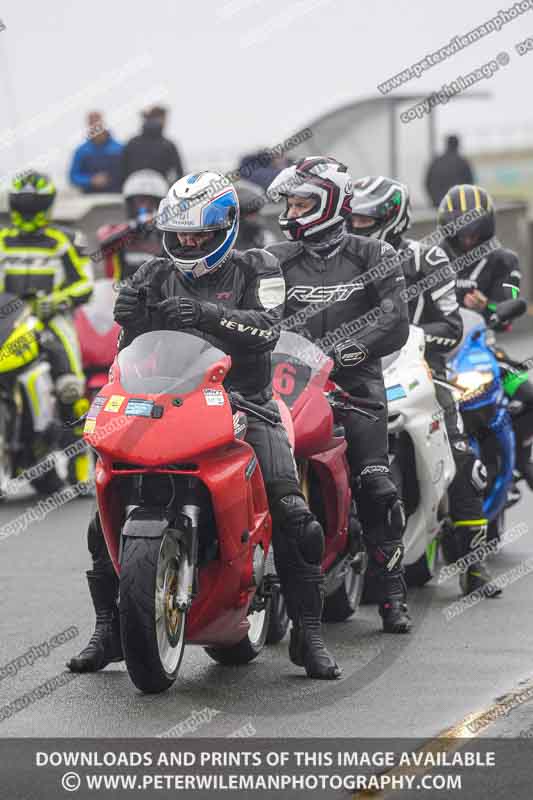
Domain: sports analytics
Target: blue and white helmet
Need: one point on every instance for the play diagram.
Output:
(202, 202)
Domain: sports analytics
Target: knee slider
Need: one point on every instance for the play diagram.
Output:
(69, 388)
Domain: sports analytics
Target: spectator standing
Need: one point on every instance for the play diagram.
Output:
(252, 227)
(151, 150)
(446, 171)
(262, 167)
(96, 163)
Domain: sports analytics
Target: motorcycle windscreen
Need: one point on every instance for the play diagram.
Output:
(164, 362)
(294, 362)
(471, 320)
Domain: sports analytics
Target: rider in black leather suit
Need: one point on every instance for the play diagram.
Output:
(380, 209)
(343, 294)
(234, 300)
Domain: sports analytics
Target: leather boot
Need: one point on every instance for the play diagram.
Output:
(104, 645)
(305, 601)
(476, 577)
(393, 606)
(391, 587)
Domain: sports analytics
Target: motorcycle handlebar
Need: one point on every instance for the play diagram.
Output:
(346, 400)
(238, 403)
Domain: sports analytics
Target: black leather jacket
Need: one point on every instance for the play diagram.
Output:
(497, 275)
(245, 299)
(432, 298)
(354, 293)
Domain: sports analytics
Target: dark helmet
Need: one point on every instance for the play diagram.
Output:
(385, 203)
(30, 198)
(458, 207)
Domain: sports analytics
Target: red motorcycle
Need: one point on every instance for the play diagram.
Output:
(183, 507)
(301, 379)
(98, 334)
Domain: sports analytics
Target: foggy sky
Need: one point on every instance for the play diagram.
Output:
(237, 74)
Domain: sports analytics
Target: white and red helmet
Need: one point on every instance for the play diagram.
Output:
(327, 181)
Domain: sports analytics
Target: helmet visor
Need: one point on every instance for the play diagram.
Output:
(190, 217)
(362, 221)
(193, 245)
(300, 205)
(28, 204)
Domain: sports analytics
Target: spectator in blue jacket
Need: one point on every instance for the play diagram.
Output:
(96, 163)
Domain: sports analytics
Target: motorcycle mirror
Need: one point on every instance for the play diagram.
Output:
(508, 310)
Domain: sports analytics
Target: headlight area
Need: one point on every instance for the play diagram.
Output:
(472, 384)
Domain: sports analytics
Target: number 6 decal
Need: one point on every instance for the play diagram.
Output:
(283, 379)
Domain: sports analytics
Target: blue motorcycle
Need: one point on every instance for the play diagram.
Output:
(476, 375)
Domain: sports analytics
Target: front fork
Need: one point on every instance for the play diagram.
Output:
(187, 521)
(502, 428)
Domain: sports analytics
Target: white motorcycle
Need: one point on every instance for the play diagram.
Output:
(421, 459)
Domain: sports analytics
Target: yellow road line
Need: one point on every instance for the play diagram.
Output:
(452, 739)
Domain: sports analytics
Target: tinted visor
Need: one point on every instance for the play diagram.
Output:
(29, 204)
(363, 221)
(139, 202)
(142, 207)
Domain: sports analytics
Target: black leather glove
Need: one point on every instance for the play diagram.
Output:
(180, 312)
(127, 305)
(184, 312)
(349, 353)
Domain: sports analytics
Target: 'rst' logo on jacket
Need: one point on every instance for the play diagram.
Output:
(324, 294)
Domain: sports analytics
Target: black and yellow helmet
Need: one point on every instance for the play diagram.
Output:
(470, 209)
(30, 198)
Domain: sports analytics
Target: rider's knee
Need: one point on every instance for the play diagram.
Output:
(294, 522)
(69, 388)
(469, 467)
(378, 503)
(478, 475)
(375, 482)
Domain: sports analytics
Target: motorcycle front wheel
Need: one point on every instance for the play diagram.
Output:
(152, 629)
(279, 619)
(345, 601)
